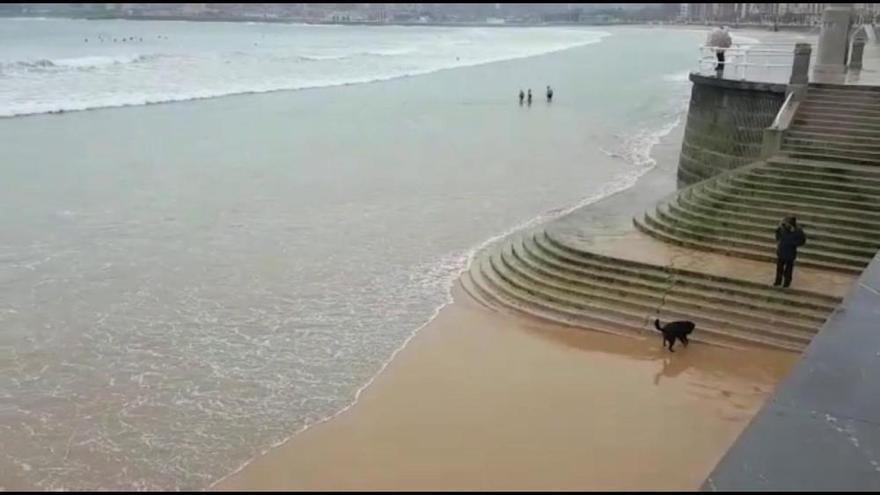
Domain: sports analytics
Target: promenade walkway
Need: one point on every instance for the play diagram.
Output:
(820, 430)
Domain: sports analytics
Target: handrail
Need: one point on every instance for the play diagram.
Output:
(786, 112)
(765, 56)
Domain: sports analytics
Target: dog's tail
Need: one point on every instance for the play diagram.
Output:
(657, 324)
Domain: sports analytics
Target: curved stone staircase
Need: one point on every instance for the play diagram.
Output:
(737, 213)
(826, 174)
(540, 274)
(836, 123)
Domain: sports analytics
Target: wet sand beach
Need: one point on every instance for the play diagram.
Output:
(187, 284)
(481, 400)
(484, 401)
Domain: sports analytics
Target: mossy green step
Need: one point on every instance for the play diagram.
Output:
(700, 293)
(516, 273)
(867, 235)
(626, 327)
(826, 251)
(593, 310)
(770, 205)
(747, 288)
(587, 287)
(681, 208)
(820, 195)
(749, 191)
(735, 247)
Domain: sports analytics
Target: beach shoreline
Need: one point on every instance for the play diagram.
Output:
(274, 335)
(483, 401)
(362, 447)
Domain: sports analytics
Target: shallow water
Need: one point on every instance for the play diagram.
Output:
(184, 285)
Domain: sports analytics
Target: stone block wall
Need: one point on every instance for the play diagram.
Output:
(725, 125)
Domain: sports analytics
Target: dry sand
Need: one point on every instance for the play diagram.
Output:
(487, 401)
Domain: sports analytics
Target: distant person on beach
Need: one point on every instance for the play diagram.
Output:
(530, 96)
(720, 40)
(789, 237)
(521, 96)
(549, 94)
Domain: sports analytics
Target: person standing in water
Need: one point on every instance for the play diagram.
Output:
(521, 96)
(530, 96)
(549, 94)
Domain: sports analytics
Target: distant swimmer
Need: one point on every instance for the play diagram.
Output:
(530, 96)
(521, 97)
(549, 94)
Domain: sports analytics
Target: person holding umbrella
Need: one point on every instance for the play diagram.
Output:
(719, 39)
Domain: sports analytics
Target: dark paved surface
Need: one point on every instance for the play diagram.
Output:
(820, 430)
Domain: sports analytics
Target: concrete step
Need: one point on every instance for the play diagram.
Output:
(510, 298)
(848, 98)
(819, 249)
(837, 146)
(842, 138)
(851, 106)
(830, 153)
(673, 237)
(794, 307)
(692, 200)
(854, 101)
(730, 221)
(851, 189)
(842, 169)
(625, 325)
(745, 187)
(830, 156)
(726, 284)
(835, 121)
(594, 312)
(856, 113)
(832, 129)
(719, 315)
(841, 112)
(770, 205)
(831, 178)
(468, 286)
(842, 88)
(542, 281)
(737, 246)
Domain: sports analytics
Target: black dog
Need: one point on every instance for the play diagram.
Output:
(675, 330)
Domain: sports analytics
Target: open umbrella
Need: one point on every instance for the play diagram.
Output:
(719, 38)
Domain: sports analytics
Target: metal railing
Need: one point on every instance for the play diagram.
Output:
(765, 62)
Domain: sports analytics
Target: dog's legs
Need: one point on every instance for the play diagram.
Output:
(684, 340)
(671, 344)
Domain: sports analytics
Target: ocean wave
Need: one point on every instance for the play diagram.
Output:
(98, 101)
(449, 269)
(677, 76)
(85, 62)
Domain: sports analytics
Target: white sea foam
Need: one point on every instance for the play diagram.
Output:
(677, 77)
(101, 77)
(446, 272)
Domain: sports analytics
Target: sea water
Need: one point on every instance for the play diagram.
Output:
(185, 285)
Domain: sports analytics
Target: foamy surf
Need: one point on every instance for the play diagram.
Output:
(171, 68)
(450, 269)
(216, 346)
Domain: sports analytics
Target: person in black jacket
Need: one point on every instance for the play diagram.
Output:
(789, 237)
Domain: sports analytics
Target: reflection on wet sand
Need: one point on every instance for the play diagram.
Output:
(489, 401)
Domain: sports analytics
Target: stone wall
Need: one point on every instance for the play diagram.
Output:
(725, 125)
